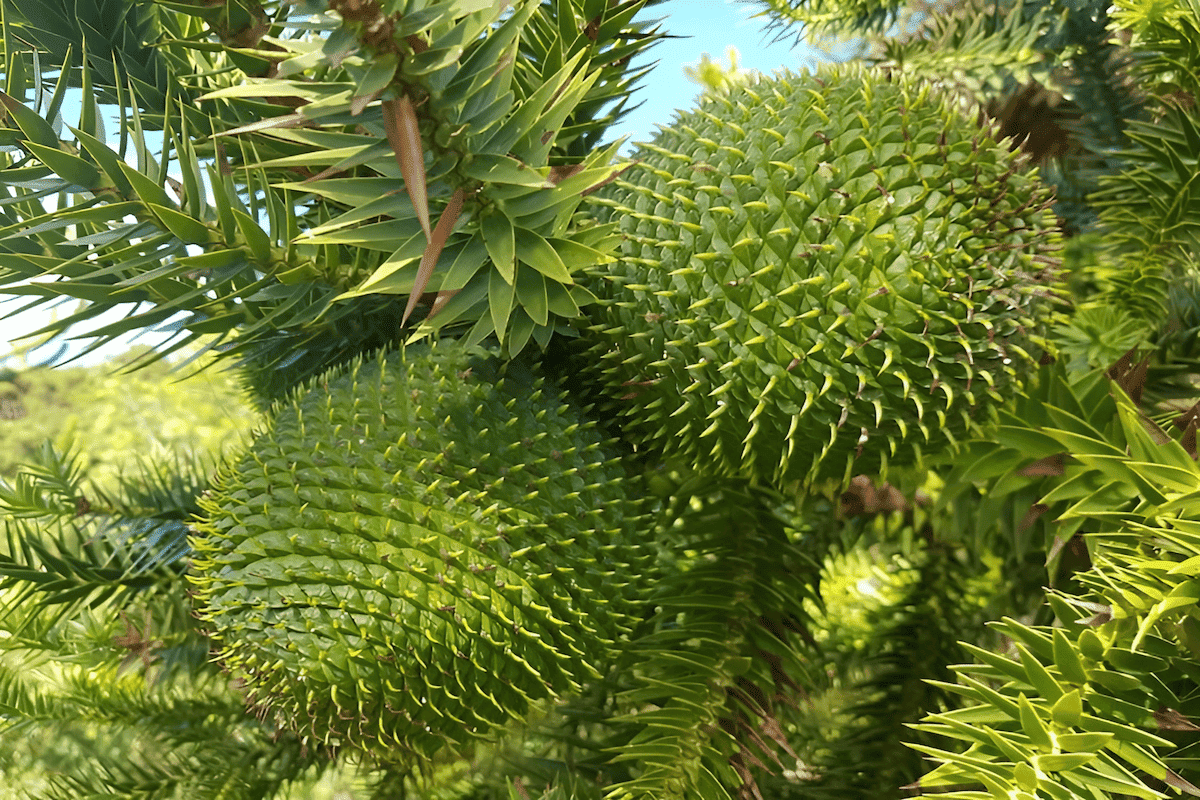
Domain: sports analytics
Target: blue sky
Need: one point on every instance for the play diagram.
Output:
(704, 26)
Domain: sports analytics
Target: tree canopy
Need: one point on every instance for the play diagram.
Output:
(840, 442)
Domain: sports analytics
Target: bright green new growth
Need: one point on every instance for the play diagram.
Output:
(821, 275)
(414, 550)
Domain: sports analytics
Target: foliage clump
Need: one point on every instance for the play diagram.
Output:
(821, 275)
(804, 278)
(417, 548)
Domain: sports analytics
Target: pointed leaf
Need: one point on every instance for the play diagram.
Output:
(106, 159)
(31, 124)
(559, 300)
(535, 251)
(1084, 742)
(67, 166)
(1068, 709)
(1032, 724)
(1059, 762)
(1038, 676)
(146, 188)
(500, 303)
(1066, 658)
(186, 228)
(532, 296)
(429, 260)
(520, 329)
(256, 237)
(467, 304)
(500, 239)
(491, 168)
(284, 121)
(403, 133)
(576, 256)
(376, 80)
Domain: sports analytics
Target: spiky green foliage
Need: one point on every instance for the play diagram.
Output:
(436, 156)
(416, 550)
(274, 365)
(186, 737)
(117, 34)
(1179, 339)
(1075, 708)
(1002, 495)
(337, 177)
(1097, 336)
(800, 18)
(716, 678)
(1053, 74)
(1147, 199)
(1150, 211)
(977, 49)
(913, 642)
(821, 275)
(106, 688)
(69, 544)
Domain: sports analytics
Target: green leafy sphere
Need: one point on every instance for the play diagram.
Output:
(821, 275)
(415, 549)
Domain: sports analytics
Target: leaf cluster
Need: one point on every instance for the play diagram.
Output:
(290, 186)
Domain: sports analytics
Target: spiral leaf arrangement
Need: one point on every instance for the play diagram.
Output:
(818, 275)
(415, 549)
(821, 274)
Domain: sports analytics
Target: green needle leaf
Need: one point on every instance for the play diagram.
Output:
(500, 239)
(501, 294)
(535, 251)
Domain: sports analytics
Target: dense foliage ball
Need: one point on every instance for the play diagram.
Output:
(821, 275)
(276, 363)
(415, 549)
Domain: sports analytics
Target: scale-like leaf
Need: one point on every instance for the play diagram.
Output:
(499, 237)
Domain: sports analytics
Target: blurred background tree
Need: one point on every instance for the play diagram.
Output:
(713, 76)
(121, 416)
